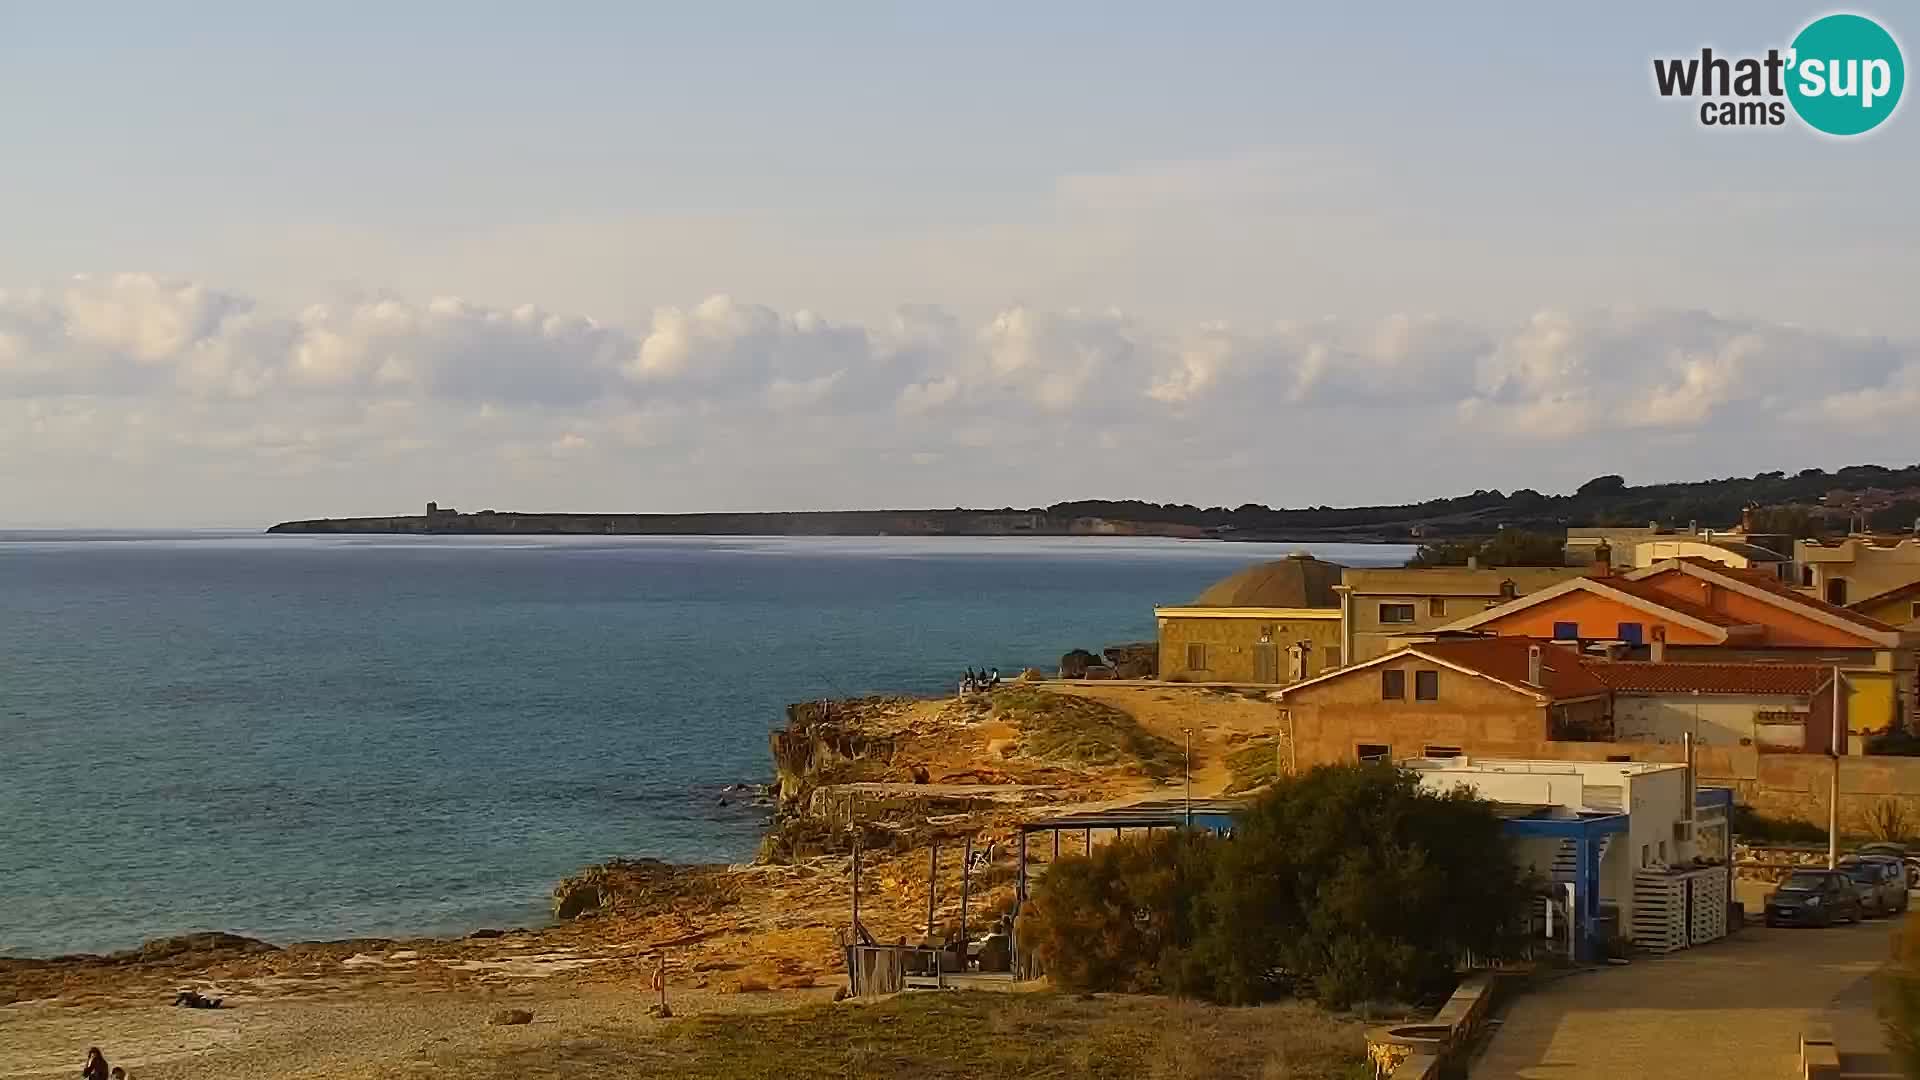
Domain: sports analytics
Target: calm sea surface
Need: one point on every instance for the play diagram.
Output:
(298, 738)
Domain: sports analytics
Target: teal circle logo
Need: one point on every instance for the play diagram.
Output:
(1845, 74)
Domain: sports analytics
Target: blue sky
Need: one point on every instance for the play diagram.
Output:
(1019, 231)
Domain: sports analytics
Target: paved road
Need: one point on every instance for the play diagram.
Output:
(1733, 1010)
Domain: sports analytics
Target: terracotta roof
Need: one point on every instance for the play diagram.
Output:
(1671, 602)
(1764, 580)
(1297, 581)
(1562, 675)
(1640, 677)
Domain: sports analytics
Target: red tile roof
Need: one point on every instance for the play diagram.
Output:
(1640, 677)
(1781, 589)
(1562, 676)
(1678, 605)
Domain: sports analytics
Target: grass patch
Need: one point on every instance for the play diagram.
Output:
(1063, 727)
(965, 1036)
(1254, 765)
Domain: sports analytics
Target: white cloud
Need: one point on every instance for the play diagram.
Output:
(727, 403)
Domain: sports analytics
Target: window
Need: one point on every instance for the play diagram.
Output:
(1442, 751)
(1196, 658)
(1915, 612)
(1393, 686)
(1437, 607)
(1566, 631)
(1646, 855)
(1631, 633)
(1619, 757)
(1426, 686)
(1837, 591)
(1806, 577)
(1367, 751)
(1396, 613)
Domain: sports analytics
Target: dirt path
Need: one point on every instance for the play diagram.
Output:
(1733, 1010)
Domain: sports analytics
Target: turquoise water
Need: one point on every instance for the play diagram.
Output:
(297, 738)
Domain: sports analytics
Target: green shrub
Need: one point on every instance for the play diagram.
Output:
(1349, 882)
(1900, 998)
(1756, 828)
(1107, 921)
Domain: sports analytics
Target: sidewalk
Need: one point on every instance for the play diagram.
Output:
(1733, 1010)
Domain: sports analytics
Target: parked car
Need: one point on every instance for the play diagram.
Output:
(1882, 881)
(1814, 898)
(1899, 851)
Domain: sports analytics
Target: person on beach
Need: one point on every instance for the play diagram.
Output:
(993, 678)
(96, 1066)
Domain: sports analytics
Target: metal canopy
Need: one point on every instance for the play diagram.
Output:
(1214, 814)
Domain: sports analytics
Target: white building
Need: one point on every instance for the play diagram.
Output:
(1632, 836)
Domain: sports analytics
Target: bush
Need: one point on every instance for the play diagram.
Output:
(1756, 828)
(1900, 998)
(1106, 921)
(1349, 882)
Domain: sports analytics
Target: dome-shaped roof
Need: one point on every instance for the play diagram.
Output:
(1297, 581)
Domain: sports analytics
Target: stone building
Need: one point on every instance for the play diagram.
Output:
(1270, 624)
(1507, 697)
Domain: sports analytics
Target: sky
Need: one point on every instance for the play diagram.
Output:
(260, 262)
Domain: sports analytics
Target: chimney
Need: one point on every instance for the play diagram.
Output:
(1533, 665)
(1657, 652)
(1693, 527)
(1746, 519)
(1473, 561)
(1602, 560)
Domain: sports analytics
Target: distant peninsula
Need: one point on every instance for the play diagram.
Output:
(1871, 495)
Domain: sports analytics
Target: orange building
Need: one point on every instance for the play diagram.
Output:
(1693, 609)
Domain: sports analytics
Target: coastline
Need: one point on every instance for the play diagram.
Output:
(912, 771)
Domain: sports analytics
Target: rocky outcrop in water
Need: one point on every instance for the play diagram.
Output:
(825, 742)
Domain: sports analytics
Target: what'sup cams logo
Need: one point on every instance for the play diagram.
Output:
(1842, 75)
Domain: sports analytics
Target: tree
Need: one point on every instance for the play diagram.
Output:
(1358, 883)
(1611, 484)
(1512, 547)
(1106, 921)
(1349, 882)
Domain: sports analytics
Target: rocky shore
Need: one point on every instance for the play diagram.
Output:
(901, 774)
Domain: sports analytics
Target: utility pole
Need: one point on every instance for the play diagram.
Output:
(1189, 734)
(1833, 794)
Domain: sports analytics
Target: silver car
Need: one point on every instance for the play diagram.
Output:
(1882, 882)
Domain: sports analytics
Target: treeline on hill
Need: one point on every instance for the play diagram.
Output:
(1603, 501)
(1347, 883)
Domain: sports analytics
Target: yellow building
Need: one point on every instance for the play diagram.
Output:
(1896, 607)
(1847, 571)
(1270, 624)
(1381, 605)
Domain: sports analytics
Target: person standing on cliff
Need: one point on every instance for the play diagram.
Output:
(96, 1066)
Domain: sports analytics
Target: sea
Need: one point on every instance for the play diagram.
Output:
(302, 738)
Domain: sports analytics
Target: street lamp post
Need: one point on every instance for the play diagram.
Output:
(1189, 768)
